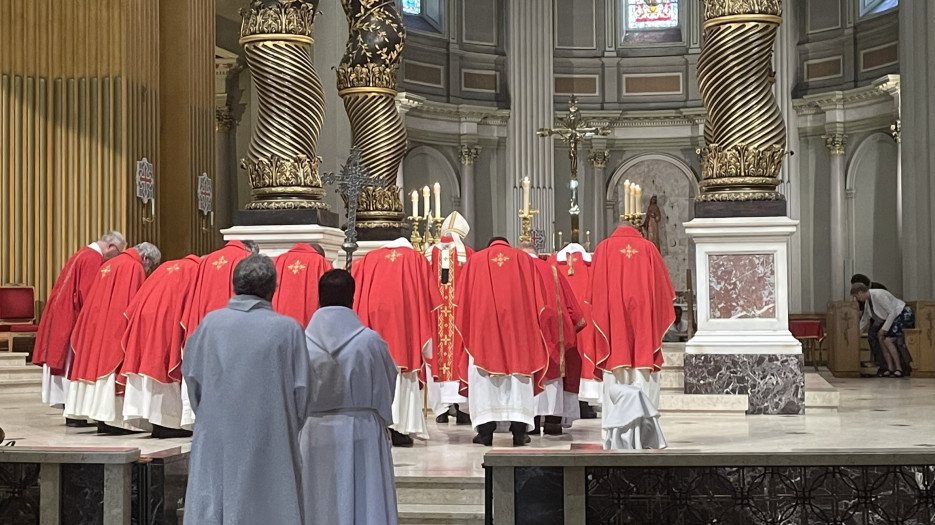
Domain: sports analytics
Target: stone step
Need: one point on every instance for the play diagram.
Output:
(671, 380)
(723, 403)
(14, 359)
(21, 386)
(410, 514)
(673, 355)
(819, 393)
(440, 491)
(20, 372)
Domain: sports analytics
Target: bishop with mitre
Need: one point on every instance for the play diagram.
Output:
(395, 297)
(631, 307)
(448, 257)
(298, 271)
(97, 385)
(153, 345)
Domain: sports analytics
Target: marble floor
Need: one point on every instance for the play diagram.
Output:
(874, 413)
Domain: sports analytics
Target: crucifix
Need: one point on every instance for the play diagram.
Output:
(352, 179)
(572, 131)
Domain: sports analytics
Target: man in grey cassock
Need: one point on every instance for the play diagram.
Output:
(247, 373)
(347, 466)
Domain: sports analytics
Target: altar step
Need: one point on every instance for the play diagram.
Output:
(440, 500)
(18, 377)
(820, 394)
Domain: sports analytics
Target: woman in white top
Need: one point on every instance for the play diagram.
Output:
(892, 315)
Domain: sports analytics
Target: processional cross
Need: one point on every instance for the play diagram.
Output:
(350, 182)
(572, 131)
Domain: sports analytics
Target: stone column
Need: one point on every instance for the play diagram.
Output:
(225, 145)
(467, 154)
(836, 143)
(529, 73)
(597, 158)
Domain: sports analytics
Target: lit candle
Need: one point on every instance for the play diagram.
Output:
(526, 195)
(438, 200)
(415, 203)
(426, 193)
(626, 197)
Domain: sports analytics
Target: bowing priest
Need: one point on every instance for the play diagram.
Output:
(347, 462)
(153, 346)
(69, 293)
(631, 307)
(558, 402)
(395, 297)
(448, 257)
(97, 385)
(574, 263)
(299, 270)
(247, 372)
(504, 322)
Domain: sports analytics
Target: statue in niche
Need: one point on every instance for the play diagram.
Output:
(650, 226)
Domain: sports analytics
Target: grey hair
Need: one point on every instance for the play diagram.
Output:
(857, 288)
(113, 237)
(255, 275)
(150, 255)
(251, 246)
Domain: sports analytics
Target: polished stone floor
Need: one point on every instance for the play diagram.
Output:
(876, 413)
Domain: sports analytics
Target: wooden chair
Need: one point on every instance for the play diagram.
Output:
(17, 314)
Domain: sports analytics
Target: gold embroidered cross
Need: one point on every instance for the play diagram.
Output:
(500, 259)
(296, 266)
(629, 251)
(571, 264)
(392, 256)
(444, 369)
(104, 271)
(219, 263)
(171, 269)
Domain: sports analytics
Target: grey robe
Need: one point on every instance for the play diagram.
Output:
(247, 373)
(347, 466)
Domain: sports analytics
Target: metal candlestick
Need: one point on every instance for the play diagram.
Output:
(525, 234)
(414, 238)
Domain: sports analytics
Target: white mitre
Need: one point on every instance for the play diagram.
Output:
(458, 228)
(573, 247)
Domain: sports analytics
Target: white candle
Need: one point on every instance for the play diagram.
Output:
(415, 203)
(426, 193)
(639, 199)
(438, 200)
(526, 195)
(626, 197)
(633, 209)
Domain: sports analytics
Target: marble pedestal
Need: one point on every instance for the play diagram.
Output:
(276, 239)
(743, 344)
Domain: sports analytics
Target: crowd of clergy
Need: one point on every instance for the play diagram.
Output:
(310, 366)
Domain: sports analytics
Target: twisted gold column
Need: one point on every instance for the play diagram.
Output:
(282, 162)
(744, 130)
(367, 83)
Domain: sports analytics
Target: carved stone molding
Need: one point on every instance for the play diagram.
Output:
(836, 143)
(598, 158)
(468, 154)
(895, 130)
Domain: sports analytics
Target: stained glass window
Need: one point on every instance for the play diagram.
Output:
(412, 7)
(657, 15)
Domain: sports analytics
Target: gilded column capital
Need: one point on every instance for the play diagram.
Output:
(721, 8)
(598, 158)
(895, 130)
(282, 17)
(835, 143)
(468, 154)
(224, 120)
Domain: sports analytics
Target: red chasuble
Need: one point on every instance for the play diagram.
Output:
(61, 311)
(298, 271)
(98, 335)
(631, 302)
(564, 359)
(153, 338)
(447, 346)
(395, 298)
(505, 316)
(213, 284)
(578, 274)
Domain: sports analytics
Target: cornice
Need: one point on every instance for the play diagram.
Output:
(879, 91)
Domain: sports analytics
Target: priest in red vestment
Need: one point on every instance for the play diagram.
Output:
(298, 271)
(213, 284)
(96, 391)
(61, 311)
(505, 320)
(631, 306)
(448, 257)
(574, 262)
(395, 298)
(153, 345)
(558, 402)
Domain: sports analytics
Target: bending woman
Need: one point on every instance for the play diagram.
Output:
(891, 315)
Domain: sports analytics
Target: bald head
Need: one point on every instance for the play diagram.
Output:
(111, 244)
(317, 247)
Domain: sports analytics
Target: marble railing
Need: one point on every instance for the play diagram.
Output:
(588, 485)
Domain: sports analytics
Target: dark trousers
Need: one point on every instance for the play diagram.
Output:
(487, 429)
(876, 351)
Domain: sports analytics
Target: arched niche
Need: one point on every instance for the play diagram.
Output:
(424, 166)
(873, 212)
(675, 185)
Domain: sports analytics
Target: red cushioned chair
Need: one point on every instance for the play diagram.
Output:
(17, 313)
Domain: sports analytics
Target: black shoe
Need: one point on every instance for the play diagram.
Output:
(587, 411)
(77, 423)
(483, 439)
(521, 440)
(160, 432)
(462, 418)
(537, 426)
(104, 428)
(442, 418)
(400, 440)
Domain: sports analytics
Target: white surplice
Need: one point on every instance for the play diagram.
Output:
(500, 398)
(148, 402)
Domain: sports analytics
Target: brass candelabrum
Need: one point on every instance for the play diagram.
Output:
(433, 228)
(414, 238)
(635, 219)
(525, 216)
